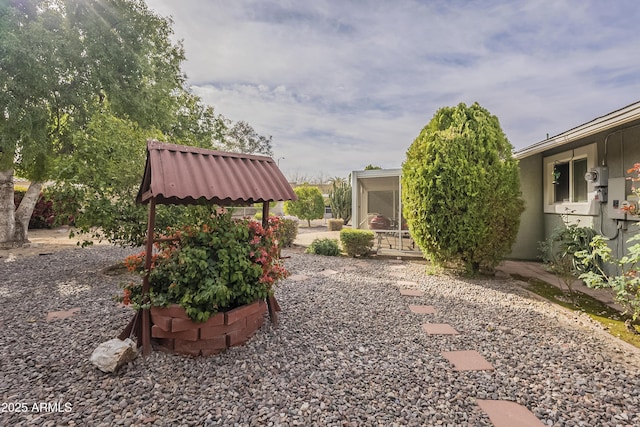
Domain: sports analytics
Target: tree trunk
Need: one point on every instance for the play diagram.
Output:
(7, 210)
(14, 223)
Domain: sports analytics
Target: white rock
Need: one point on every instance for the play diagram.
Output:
(112, 354)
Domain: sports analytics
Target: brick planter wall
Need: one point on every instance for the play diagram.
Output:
(174, 331)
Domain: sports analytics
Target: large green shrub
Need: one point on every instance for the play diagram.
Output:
(310, 204)
(356, 242)
(327, 247)
(461, 188)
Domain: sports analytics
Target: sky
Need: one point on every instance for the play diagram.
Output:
(342, 84)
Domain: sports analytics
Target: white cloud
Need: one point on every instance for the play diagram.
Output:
(340, 85)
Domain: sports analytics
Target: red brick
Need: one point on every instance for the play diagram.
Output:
(184, 324)
(207, 347)
(186, 347)
(237, 338)
(214, 331)
(174, 310)
(179, 325)
(163, 322)
(255, 322)
(215, 320)
(190, 335)
(244, 311)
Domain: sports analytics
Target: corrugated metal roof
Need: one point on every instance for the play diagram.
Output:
(178, 174)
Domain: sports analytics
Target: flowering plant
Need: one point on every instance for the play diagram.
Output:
(216, 265)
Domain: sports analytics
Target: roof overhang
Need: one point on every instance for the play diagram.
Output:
(618, 118)
(178, 174)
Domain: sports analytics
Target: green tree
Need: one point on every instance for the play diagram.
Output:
(370, 167)
(61, 62)
(461, 188)
(86, 82)
(310, 204)
(340, 199)
(241, 137)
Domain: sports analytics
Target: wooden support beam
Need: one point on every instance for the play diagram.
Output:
(146, 317)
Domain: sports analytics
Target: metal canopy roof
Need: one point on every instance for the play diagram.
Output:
(178, 174)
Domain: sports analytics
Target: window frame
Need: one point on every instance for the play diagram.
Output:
(587, 207)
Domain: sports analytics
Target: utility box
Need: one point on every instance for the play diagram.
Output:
(617, 198)
(598, 176)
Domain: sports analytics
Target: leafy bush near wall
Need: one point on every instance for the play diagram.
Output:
(327, 247)
(356, 242)
(53, 208)
(559, 251)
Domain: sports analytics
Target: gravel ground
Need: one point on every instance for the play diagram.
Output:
(347, 352)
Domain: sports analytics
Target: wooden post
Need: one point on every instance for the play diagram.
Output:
(265, 214)
(272, 304)
(146, 317)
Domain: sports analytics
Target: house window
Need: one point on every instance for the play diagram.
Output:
(579, 183)
(564, 184)
(569, 183)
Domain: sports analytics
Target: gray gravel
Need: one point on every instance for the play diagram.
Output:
(347, 352)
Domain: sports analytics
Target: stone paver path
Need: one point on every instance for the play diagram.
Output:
(502, 413)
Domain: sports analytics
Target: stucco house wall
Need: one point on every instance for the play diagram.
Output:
(612, 140)
(532, 226)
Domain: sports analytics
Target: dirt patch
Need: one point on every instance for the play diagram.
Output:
(42, 242)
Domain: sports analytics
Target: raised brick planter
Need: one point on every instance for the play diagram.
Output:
(174, 331)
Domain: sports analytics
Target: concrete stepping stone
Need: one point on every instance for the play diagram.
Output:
(422, 309)
(61, 315)
(439, 329)
(397, 274)
(467, 360)
(397, 267)
(406, 283)
(504, 413)
(328, 273)
(411, 293)
(298, 277)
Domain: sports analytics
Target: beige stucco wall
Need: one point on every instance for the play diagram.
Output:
(531, 229)
(619, 149)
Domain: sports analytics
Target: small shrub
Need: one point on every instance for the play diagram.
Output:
(328, 247)
(287, 231)
(558, 252)
(335, 224)
(356, 242)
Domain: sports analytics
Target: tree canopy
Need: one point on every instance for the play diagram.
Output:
(84, 84)
(310, 203)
